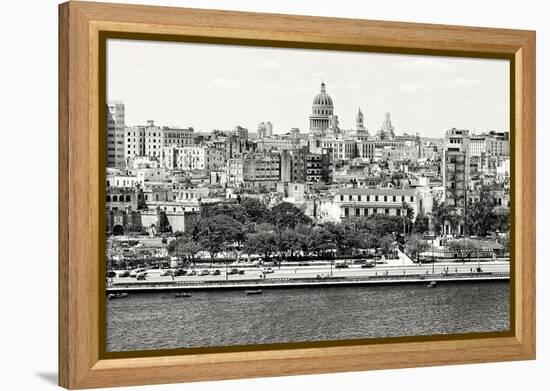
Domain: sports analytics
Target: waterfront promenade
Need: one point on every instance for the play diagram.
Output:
(315, 275)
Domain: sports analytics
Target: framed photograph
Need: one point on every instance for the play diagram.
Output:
(248, 195)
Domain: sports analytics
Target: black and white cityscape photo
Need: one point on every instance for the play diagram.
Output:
(262, 195)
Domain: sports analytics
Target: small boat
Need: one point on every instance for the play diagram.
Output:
(432, 284)
(254, 292)
(117, 295)
(182, 295)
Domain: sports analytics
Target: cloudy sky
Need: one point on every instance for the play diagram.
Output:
(217, 87)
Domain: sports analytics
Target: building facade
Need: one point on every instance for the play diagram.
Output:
(115, 134)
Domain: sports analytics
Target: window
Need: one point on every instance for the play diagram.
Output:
(387, 211)
(115, 198)
(108, 198)
(127, 198)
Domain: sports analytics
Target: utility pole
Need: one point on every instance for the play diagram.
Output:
(433, 258)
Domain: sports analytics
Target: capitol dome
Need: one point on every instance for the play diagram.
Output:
(322, 98)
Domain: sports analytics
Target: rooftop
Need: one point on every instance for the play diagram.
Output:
(385, 191)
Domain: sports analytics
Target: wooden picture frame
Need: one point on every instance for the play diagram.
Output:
(81, 25)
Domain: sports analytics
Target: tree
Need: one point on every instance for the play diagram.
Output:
(463, 247)
(261, 243)
(382, 224)
(286, 215)
(442, 213)
(501, 219)
(184, 246)
(414, 245)
(386, 244)
(255, 210)
(216, 233)
(235, 211)
(504, 241)
(421, 224)
(480, 218)
(321, 241)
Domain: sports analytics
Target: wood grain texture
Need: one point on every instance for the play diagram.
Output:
(79, 185)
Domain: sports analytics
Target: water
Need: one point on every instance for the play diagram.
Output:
(147, 321)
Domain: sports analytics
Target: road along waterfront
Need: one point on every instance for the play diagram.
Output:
(316, 275)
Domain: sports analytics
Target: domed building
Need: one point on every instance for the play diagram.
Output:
(322, 116)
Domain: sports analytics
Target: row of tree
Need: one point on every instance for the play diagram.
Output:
(284, 230)
(250, 227)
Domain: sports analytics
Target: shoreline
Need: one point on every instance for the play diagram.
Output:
(285, 283)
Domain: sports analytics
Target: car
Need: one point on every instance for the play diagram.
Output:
(180, 272)
(233, 271)
(241, 271)
(367, 265)
(268, 270)
(124, 273)
(135, 272)
(141, 276)
(204, 272)
(341, 266)
(216, 272)
(111, 274)
(192, 272)
(168, 272)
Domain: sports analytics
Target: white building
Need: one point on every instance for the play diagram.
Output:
(357, 202)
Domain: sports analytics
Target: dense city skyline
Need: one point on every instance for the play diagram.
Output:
(424, 94)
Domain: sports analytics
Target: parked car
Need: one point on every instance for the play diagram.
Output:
(268, 270)
(204, 272)
(124, 273)
(192, 272)
(233, 271)
(168, 272)
(367, 265)
(341, 266)
(216, 272)
(180, 272)
(111, 274)
(241, 271)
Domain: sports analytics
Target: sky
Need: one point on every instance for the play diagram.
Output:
(207, 87)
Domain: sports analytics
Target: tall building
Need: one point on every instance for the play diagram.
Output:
(115, 134)
(386, 131)
(134, 142)
(456, 177)
(265, 129)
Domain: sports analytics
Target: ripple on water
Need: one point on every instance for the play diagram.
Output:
(223, 318)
